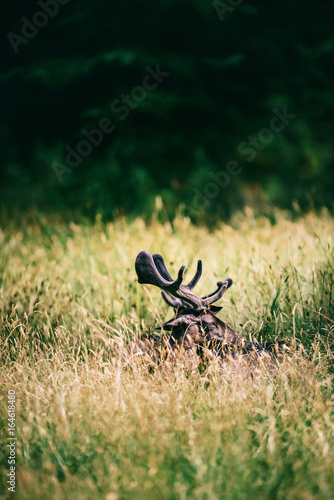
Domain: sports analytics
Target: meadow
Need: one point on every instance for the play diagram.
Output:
(96, 421)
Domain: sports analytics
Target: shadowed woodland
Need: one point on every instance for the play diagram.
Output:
(228, 68)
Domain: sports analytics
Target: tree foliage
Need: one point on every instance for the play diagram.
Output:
(228, 66)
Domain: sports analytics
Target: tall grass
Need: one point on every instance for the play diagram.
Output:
(94, 420)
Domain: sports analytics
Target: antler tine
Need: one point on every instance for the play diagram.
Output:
(197, 276)
(219, 284)
(160, 264)
(222, 287)
(173, 301)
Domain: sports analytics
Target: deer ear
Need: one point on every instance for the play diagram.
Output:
(215, 309)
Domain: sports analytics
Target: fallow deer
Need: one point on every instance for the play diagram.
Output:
(195, 325)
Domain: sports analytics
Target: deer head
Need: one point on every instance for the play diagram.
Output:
(195, 323)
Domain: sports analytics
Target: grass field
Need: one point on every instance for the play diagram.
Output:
(94, 421)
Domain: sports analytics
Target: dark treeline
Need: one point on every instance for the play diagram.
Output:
(209, 105)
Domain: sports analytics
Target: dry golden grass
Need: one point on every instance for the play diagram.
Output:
(96, 421)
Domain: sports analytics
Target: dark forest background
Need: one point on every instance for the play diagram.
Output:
(229, 64)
